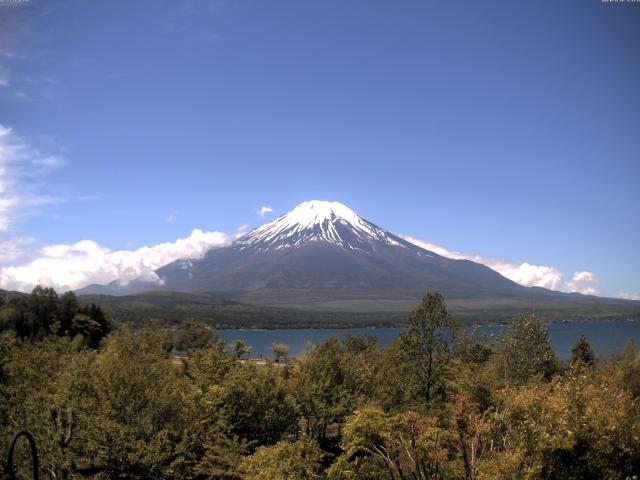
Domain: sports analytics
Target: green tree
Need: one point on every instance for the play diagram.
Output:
(222, 457)
(329, 382)
(240, 348)
(471, 348)
(400, 446)
(29, 395)
(87, 328)
(253, 402)
(192, 336)
(398, 378)
(428, 342)
(582, 353)
(285, 461)
(95, 312)
(577, 426)
(207, 368)
(218, 453)
(133, 411)
(43, 313)
(43, 309)
(626, 368)
(67, 309)
(525, 350)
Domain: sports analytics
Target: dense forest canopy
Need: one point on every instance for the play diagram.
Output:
(43, 313)
(121, 404)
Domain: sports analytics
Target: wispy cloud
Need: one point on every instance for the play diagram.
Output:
(264, 210)
(629, 295)
(14, 248)
(5, 57)
(21, 166)
(241, 230)
(4, 78)
(11, 54)
(524, 273)
(72, 266)
(16, 84)
(22, 48)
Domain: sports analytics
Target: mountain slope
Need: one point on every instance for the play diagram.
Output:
(322, 256)
(325, 250)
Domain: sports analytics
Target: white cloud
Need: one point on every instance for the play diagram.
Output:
(241, 230)
(581, 283)
(528, 274)
(585, 277)
(20, 167)
(264, 210)
(523, 273)
(629, 295)
(72, 266)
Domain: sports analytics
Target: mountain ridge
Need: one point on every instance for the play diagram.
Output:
(323, 256)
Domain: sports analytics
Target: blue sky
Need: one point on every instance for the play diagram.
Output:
(503, 129)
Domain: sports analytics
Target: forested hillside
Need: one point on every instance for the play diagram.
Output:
(44, 312)
(435, 404)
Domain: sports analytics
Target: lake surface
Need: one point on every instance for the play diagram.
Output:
(605, 337)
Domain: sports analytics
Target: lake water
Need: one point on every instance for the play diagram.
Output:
(605, 337)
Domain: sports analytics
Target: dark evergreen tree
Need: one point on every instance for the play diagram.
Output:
(87, 327)
(428, 339)
(582, 353)
(67, 309)
(95, 312)
(43, 309)
(19, 319)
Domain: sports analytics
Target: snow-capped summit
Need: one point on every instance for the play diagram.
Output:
(323, 252)
(317, 221)
(322, 257)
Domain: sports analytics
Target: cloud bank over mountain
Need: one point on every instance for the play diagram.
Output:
(71, 266)
(523, 273)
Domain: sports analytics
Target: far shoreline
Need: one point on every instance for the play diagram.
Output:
(405, 325)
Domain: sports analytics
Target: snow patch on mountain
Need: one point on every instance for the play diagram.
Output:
(316, 220)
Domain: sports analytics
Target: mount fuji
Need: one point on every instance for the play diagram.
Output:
(322, 256)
